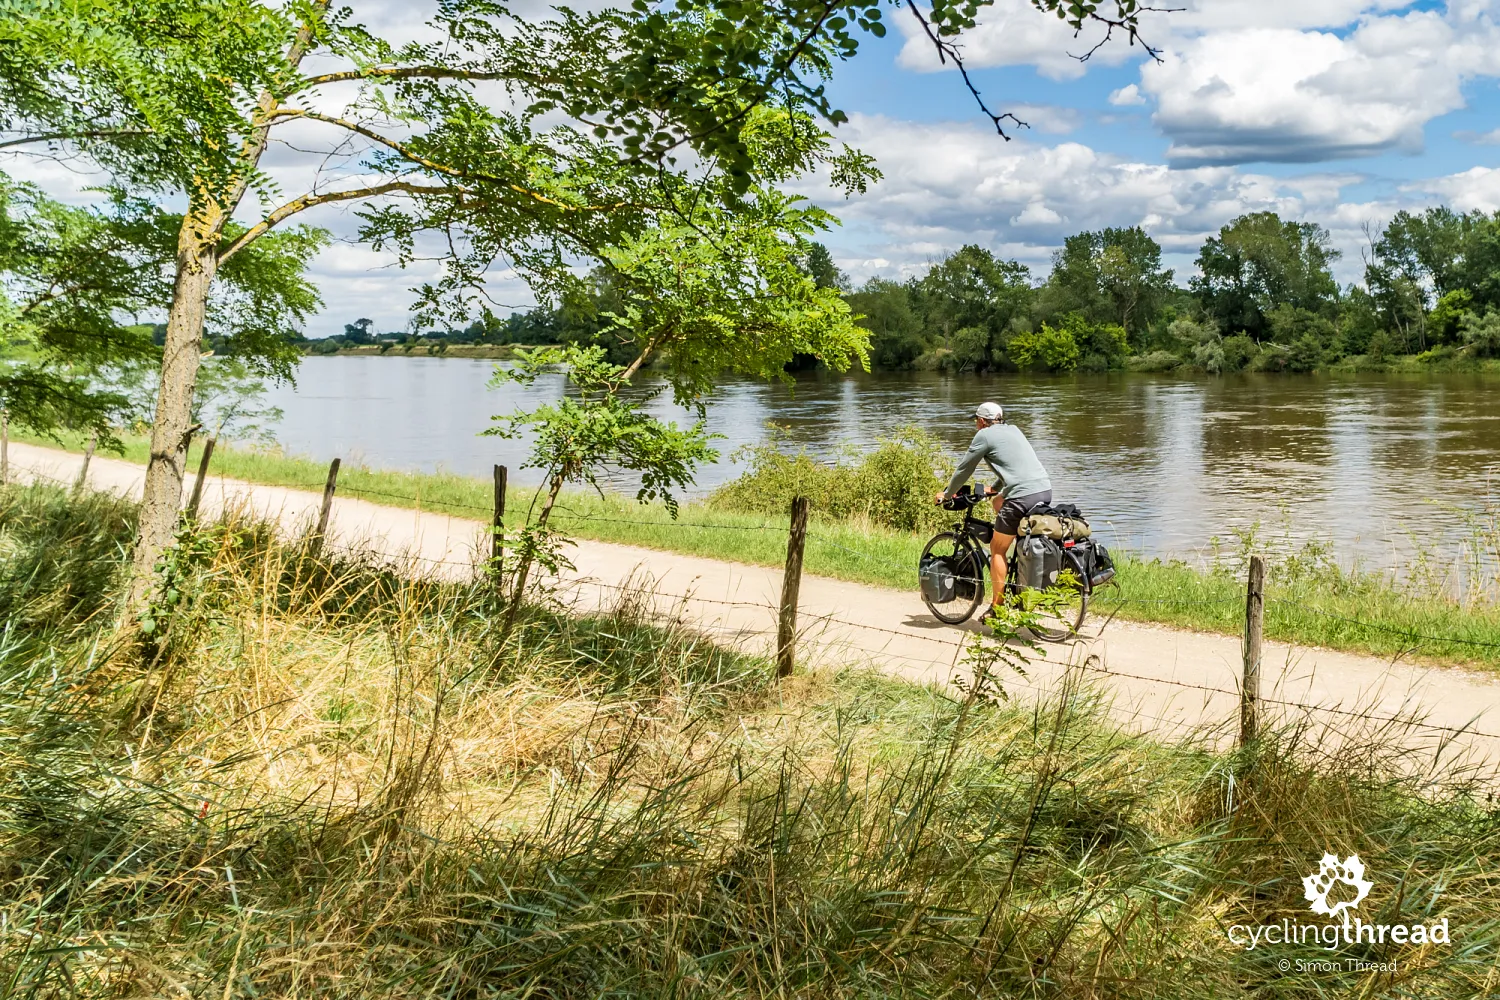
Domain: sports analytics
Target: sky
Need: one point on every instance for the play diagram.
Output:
(1339, 112)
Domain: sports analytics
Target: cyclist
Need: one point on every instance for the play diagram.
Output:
(1024, 482)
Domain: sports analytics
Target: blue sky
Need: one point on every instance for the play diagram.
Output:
(1339, 112)
(1335, 111)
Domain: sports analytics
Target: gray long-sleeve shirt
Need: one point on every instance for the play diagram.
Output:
(1011, 458)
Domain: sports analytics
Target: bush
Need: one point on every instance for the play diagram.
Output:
(1156, 361)
(893, 485)
(1056, 350)
(1239, 352)
(1209, 357)
(1481, 334)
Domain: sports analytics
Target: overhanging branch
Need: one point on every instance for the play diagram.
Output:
(307, 201)
(426, 162)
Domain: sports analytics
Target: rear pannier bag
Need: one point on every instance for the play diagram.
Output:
(1038, 562)
(937, 579)
(1102, 569)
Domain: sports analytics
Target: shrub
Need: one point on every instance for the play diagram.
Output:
(1056, 350)
(1239, 352)
(1481, 334)
(1209, 357)
(892, 486)
(1156, 361)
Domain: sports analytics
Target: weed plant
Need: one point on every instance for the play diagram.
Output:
(329, 780)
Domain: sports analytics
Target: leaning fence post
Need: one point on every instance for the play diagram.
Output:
(497, 527)
(791, 583)
(328, 488)
(1255, 618)
(208, 451)
(83, 471)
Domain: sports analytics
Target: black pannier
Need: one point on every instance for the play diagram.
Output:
(1102, 569)
(968, 577)
(937, 578)
(1038, 561)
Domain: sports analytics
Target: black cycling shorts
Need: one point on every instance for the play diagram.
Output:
(1008, 518)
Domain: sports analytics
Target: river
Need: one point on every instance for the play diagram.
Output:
(1373, 464)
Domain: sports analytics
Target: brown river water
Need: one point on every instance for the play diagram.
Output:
(1375, 465)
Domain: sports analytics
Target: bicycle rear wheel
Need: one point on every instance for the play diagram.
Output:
(1063, 622)
(968, 584)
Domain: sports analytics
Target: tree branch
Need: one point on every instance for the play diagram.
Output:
(55, 136)
(428, 163)
(307, 201)
(411, 73)
(1129, 26)
(946, 51)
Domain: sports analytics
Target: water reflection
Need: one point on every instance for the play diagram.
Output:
(1168, 463)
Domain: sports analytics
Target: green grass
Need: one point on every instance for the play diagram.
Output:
(328, 781)
(1311, 600)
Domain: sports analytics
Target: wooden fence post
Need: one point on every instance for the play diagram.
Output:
(88, 455)
(497, 527)
(208, 452)
(791, 583)
(4, 446)
(328, 488)
(1255, 617)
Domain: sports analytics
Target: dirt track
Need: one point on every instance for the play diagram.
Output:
(1167, 681)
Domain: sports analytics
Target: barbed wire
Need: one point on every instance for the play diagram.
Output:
(957, 643)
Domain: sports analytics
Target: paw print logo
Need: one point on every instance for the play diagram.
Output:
(1331, 871)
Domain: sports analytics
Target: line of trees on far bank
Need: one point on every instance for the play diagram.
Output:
(1264, 299)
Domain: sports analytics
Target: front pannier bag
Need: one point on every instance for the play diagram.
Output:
(937, 577)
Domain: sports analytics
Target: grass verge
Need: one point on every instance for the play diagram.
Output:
(1312, 600)
(328, 781)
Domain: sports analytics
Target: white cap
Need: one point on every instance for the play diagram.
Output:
(989, 412)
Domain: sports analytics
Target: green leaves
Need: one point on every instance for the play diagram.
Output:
(597, 425)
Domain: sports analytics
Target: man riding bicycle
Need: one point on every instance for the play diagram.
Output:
(1024, 481)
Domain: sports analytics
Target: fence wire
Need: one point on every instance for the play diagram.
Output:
(957, 643)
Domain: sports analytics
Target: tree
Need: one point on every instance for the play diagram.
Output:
(722, 291)
(1111, 276)
(182, 98)
(74, 279)
(885, 309)
(974, 291)
(819, 265)
(361, 331)
(1259, 262)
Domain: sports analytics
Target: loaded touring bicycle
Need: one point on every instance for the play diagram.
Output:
(1054, 549)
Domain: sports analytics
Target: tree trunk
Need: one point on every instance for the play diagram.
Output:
(528, 553)
(197, 259)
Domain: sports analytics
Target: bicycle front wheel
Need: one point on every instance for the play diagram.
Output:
(968, 578)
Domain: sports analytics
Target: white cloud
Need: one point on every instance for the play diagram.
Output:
(1490, 138)
(1127, 96)
(1302, 96)
(1215, 15)
(950, 184)
(1013, 33)
(1475, 188)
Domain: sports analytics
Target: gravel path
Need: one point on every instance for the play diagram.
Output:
(1167, 681)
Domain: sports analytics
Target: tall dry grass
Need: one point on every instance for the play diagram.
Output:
(326, 779)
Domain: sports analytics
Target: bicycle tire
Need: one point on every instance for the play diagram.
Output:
(1074, 623)
(957, 611)
(1070, 623)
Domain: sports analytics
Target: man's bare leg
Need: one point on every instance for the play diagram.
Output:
(999, 546)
